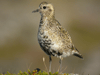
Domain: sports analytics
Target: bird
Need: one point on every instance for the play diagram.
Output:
(53, 39)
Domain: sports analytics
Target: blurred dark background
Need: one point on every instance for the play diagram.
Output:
(19, 48)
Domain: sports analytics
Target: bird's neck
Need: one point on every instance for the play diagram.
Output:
(45, 20)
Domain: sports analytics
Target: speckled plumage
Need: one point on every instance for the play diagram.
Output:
(52, 37)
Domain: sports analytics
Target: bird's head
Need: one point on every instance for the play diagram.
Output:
(45, 9)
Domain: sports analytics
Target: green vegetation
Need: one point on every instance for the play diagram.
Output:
(35, 72)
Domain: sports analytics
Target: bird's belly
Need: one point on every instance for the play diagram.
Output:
(49, 46)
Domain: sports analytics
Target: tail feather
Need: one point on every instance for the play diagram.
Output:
(78, 55)
(75, 52)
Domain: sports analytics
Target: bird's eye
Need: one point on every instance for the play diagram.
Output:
(44, 7)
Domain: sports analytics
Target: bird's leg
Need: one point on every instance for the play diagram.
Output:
(50, 60)
(60, 61)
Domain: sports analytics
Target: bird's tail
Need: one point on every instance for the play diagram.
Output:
(75, 52)
(78, 55)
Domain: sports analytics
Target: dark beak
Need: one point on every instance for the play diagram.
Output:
(37, 10)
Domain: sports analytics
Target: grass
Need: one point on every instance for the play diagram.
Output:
(35, 72)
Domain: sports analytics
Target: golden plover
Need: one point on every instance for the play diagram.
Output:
(52, 37)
